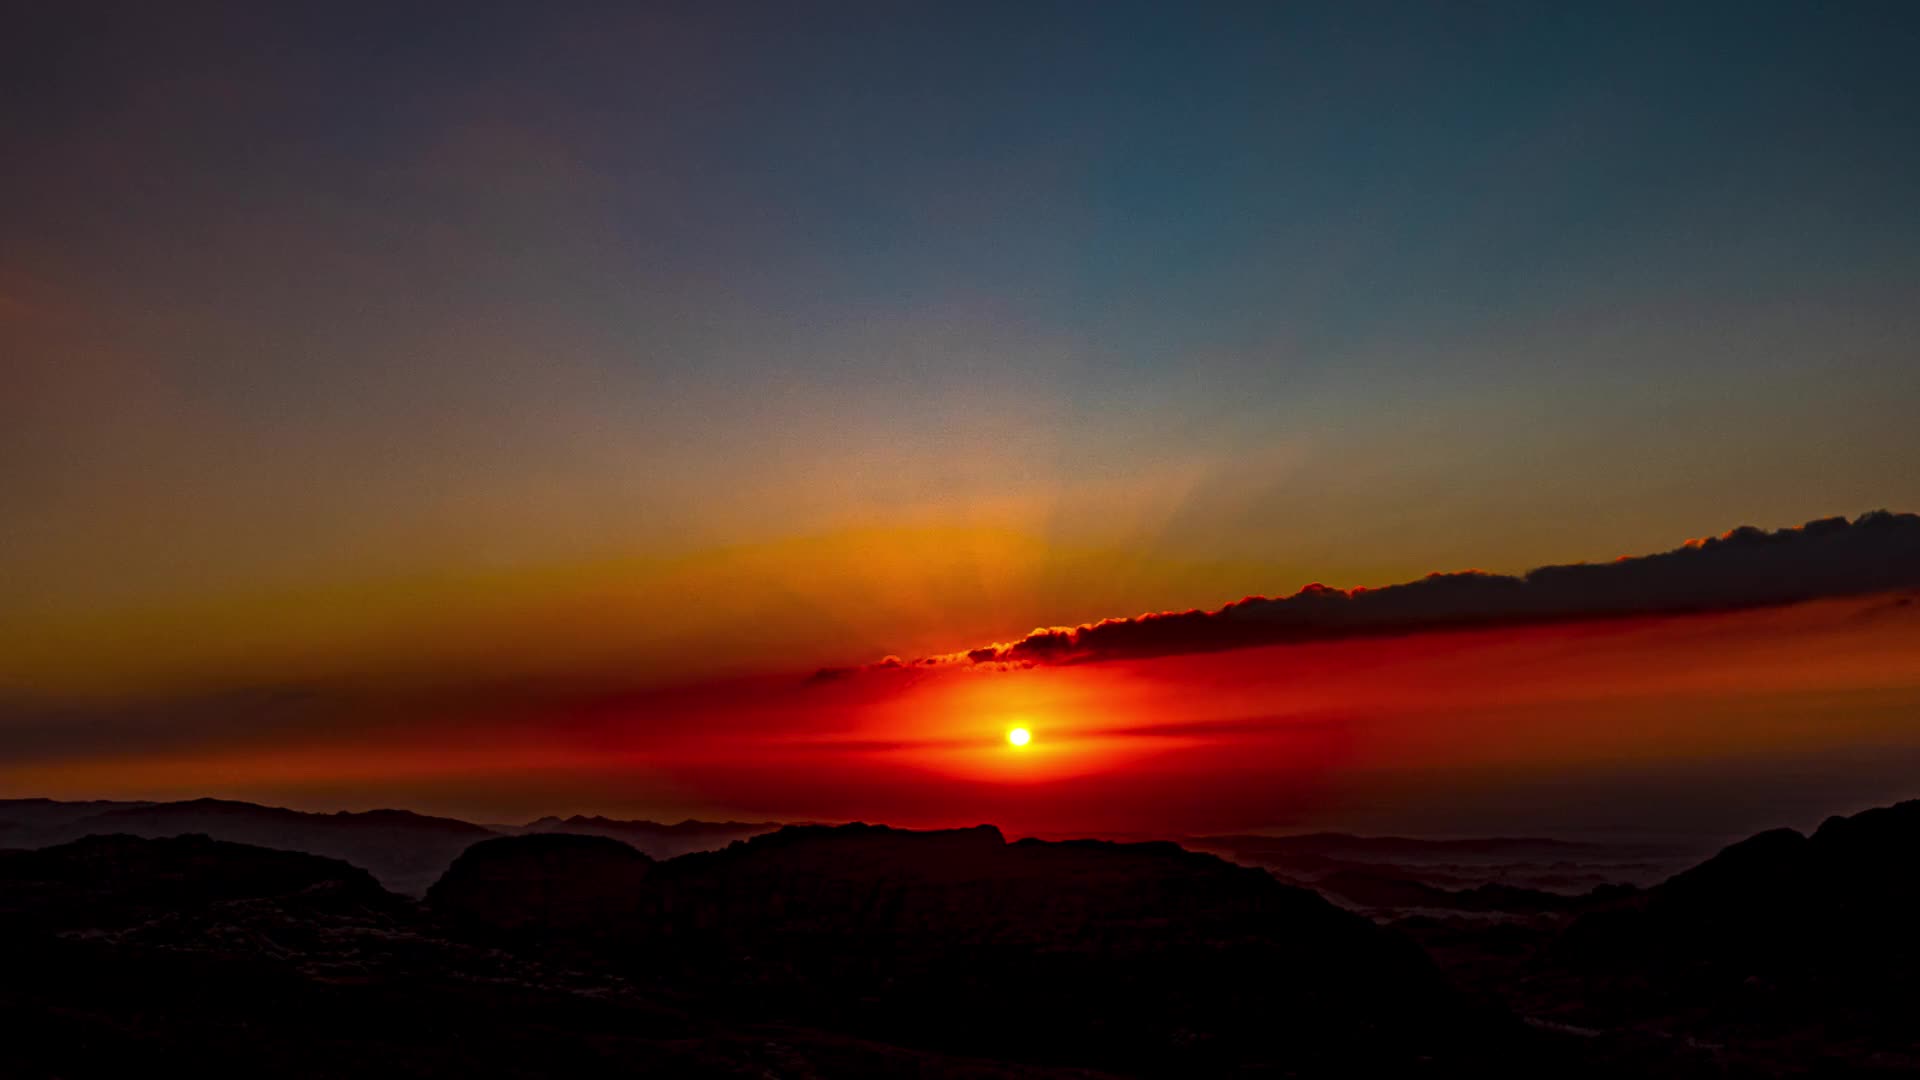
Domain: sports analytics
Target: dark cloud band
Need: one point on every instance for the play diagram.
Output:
(1747, 567)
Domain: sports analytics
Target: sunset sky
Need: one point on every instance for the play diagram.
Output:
(503, 411)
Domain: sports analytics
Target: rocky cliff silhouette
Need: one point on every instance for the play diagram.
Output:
(844, 951)
(868, 951)
(1121, 956)
(1784, 954)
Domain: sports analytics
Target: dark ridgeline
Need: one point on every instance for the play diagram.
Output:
(818, 951)
(1782, 943)
(1782, 955)
(1116, 956)
(405, 850)
(867, 951)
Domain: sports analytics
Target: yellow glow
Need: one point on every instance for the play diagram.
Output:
(1019, 736)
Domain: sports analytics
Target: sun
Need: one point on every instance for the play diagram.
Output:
(1019, 736)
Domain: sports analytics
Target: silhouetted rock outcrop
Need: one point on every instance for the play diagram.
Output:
(122, 956)
(1840, 901)
(1140, 957)
(103, 881)
(543, 885)
(1784, 953)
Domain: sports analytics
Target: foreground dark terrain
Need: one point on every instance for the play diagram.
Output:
(866, 951)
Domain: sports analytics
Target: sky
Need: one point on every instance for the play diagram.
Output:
(489, 407)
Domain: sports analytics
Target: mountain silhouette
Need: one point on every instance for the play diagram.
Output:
(1783, 954)
(863, 950)
(1834, 908)
(406, 851)
(124, 956)
(1134, 957)
(825, 951)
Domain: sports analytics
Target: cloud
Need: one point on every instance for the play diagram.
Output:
(1746, 567)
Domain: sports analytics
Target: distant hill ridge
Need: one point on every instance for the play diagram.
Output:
(656, 839)
(348, 818)
(405, 850)
(687, 825)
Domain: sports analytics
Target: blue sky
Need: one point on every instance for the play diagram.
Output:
(361, 297)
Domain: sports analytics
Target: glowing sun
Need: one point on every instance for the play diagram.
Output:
(1019, 736)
